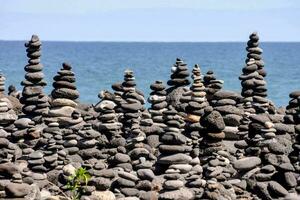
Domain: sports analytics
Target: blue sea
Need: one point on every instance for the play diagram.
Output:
(99, 64)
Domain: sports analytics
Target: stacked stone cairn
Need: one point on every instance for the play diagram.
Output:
(132, 106)
(2, 84)
(63, 106)
(118, 100)
(272, 179)
(36, 103)
(226, 102)
(175, 159)
(254, 52)
(178, 82)
(90, 144)
(7, 114)
(212, 84)
(292, 110)
(158, 102)
(194, 142)
(54, 149)
(195, 108)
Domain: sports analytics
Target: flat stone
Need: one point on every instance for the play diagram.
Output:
(17, 190)
(246, 164)
(276, 190)
(180, 194)
(175, 159)
(173, 184)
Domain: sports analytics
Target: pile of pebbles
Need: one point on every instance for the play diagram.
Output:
(195, 141)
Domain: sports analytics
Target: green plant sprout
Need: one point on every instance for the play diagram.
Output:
(77, 181)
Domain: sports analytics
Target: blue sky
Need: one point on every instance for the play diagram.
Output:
(153, 20)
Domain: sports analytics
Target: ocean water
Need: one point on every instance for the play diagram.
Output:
(99, 64)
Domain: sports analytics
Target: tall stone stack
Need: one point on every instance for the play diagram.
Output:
(178, 82)
(63, 106)
(292, 110)
(175, 158)
(212, 84)
(158, 102)
(255, 52)
(253, 84)
(195, 108)
(143, 159)
(2, 83)
(118, 92)
(35, 102)
(132, 106)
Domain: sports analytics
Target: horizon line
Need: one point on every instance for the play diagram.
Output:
(150, 41)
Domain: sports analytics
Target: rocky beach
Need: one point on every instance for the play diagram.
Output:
(192, 140)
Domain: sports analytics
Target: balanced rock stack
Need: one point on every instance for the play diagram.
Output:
(118, 100)
(7, 148)
(158, 102)
(142, 159)
(218, 170)
(175, 157)
(226, 102)
(179, 79)
(213, 133)
(292, 110)
(54, 154)
(276, 176)
(108, 122)
(132, 106)
(195, 108)
(253, 84)
(212, 85)
(179, 75)
(7, 114)
(63, 106)
(254, 52)
(89, 143)
(70, 138)
(2, 83)
(36, 103)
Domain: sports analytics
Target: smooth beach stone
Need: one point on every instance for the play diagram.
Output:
(175, 159)
(64, 84)
(65, 93)
(172, 184)
(146, 174)
(214, 121)
(294, 95)
(17, 190)
(122, 158)
(246, 164)
(65, 111)
(180, 194)
(276, 189)
(223, 94)
(70, 79)
(34, 67)
(125, 182)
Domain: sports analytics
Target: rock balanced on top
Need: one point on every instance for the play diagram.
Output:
(179, 75)
(64, 94)
(34, 100)
(254, 52)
